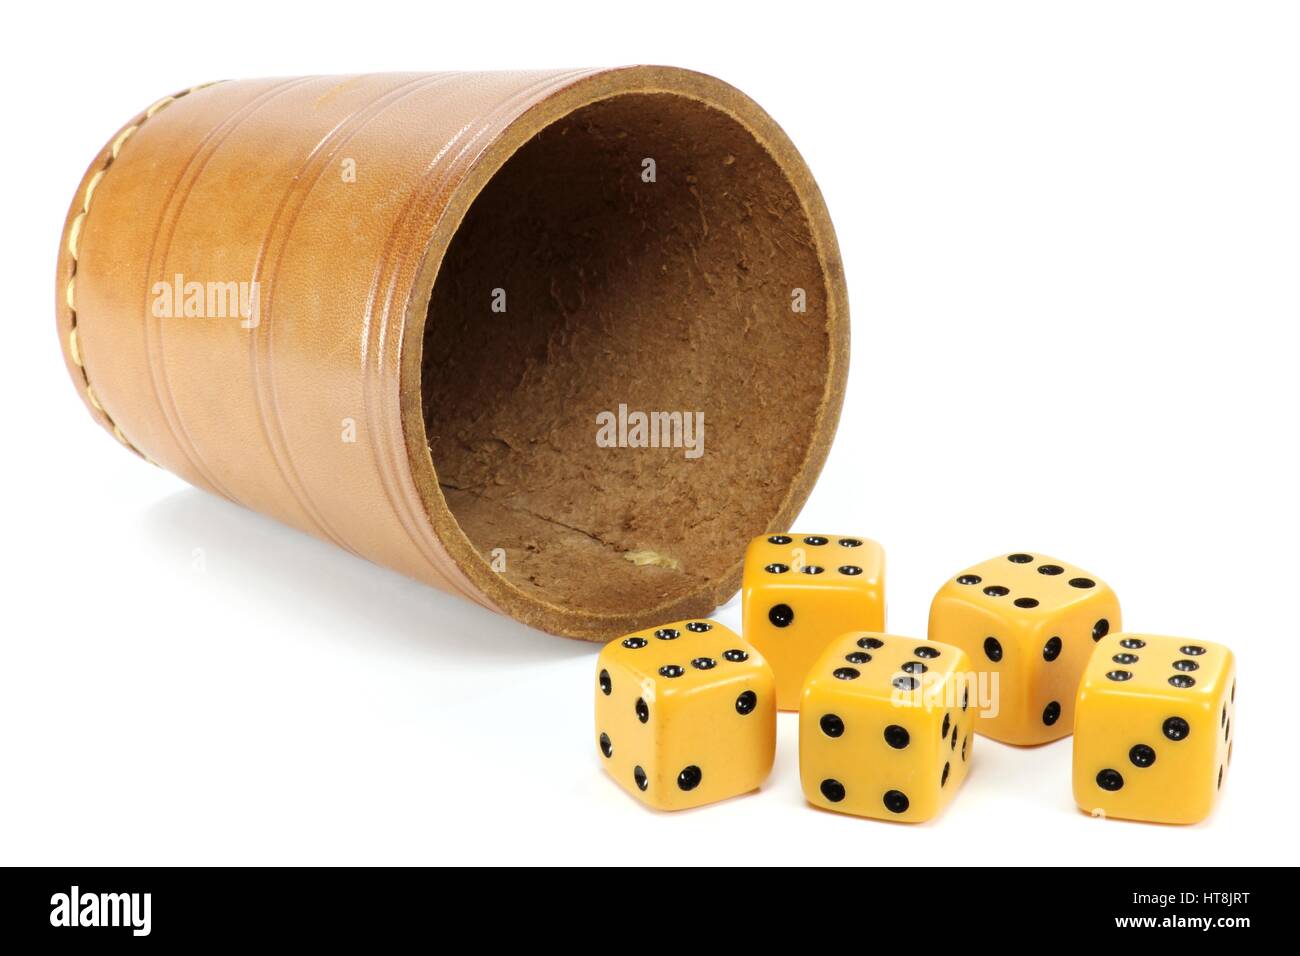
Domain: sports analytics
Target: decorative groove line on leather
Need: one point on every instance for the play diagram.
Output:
(160, 248)
(74, 243)
(269, 256)
(389, 451)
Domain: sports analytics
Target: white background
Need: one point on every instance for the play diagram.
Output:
(1071, 234)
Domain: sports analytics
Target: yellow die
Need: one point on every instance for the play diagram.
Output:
(886, 727)
(1153, 728)
(685, 714)
(800, 592)
(1029, 622)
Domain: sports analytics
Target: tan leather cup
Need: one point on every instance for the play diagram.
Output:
(428, 317)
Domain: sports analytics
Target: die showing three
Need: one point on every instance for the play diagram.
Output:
(800, 592)
(685, 714)
(1153, 728)
(1029, 623)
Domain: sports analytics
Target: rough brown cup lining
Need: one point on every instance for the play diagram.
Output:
(672, 296)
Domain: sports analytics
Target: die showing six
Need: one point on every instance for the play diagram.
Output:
(685, 714)
(886, 727)
(800, 592)
(1153, 728)
(1029, 624)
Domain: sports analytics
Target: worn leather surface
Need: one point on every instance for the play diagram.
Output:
(242, 181)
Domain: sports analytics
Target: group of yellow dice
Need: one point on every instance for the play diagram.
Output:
(1022, 648)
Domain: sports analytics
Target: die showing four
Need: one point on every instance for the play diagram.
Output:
(1029, 624)
(886, 727)
(1153, 728)
(800, 592)
(685, 714)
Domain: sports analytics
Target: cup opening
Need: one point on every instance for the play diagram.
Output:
(631, 277)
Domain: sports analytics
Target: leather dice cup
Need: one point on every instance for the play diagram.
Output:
(391, 310)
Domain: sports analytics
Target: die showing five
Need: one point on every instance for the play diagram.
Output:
(685, 714)
(1029, 623)
(800, 592)
(886, 727)
(1153, 728)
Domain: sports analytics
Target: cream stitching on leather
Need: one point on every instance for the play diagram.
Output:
(74, 241)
